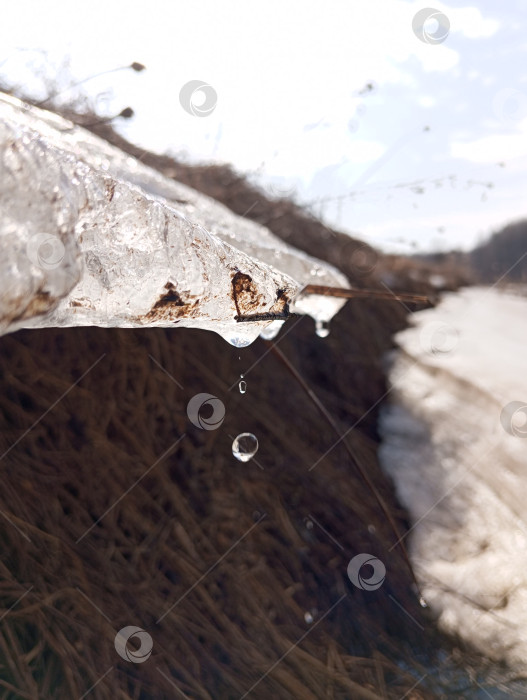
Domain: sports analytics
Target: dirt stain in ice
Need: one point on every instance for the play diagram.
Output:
(250, 303)
(170, 306)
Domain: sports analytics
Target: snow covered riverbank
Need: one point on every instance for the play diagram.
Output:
(455, 444)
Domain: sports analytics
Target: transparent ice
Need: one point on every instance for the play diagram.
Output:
(91, 236)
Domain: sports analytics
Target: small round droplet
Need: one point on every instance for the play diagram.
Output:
(422, 602)
(242, 386)
(309, 524)
(322, 329)
(308, 617)
(244, 447)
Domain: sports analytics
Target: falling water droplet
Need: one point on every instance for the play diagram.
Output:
(422, 602)
(308, 617)
(242, 385)
(322, 329)
(244, 447)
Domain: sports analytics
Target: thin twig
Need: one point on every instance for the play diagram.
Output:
(344, 293)
(329, 418)
(339, 292)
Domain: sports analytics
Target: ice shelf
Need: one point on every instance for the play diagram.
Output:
(91, 236)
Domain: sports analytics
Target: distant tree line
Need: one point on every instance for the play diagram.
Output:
(502, 257)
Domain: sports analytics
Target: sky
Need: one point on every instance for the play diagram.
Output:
(413, 138)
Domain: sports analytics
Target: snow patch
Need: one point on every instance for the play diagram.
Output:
(461, 475)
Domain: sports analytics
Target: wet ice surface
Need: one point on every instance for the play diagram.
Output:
(460, 474)
(134, 248)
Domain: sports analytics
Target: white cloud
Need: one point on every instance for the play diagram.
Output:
(362, 152)
(436, 58)
(427, 101)
(491, 149)
(471, 23)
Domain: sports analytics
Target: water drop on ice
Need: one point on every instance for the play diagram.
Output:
(244, 447)
(272, 330)
(322, 329)
(422, 602)
(238, 341)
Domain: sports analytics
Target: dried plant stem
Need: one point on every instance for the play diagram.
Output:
(329, 418)
(339, 292)
(343, 293)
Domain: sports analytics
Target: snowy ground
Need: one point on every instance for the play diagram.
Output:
(455, 445)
